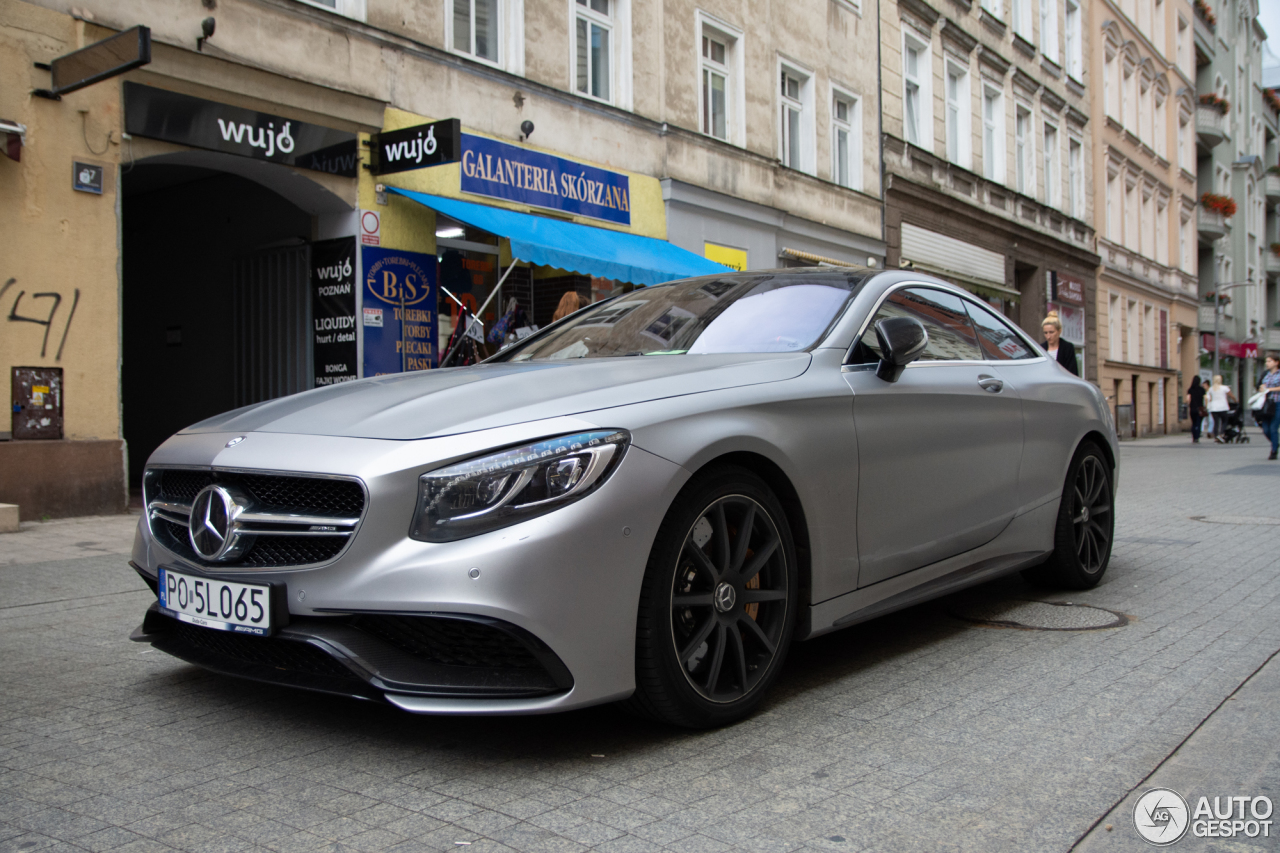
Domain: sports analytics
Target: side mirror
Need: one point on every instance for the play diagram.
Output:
(902, 340)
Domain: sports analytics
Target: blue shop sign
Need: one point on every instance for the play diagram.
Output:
(504, 171)
(399, 311)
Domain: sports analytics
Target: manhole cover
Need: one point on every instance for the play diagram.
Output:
(1235, 519)
(1039, 615)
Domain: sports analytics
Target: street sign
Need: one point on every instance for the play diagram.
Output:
(415, 147)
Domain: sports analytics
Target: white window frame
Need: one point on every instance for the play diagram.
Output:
(1051, 142)
(510, 36)
(620, 67)
(923, 83)
(1022, 16)
(1024, 150)
(1131, 329)
(1184, 128)
(959, 115)
(733, 68)
(1114, 208)
(1157, 28)
(1160, 142)
(1075, 176)
(1049, 30)
(1074, 40)
(995, 7)
(995, 129)
(1162, 232)
(356, 9)
(853, 128)
(1184, 228)
(1128, 98)
(1111, 91)
(804, 105)
(1183, 29)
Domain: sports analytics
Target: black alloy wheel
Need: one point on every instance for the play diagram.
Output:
(718, 603)
(1085, 526)
(1091, 515)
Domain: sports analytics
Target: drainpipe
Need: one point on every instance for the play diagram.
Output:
(884, 194)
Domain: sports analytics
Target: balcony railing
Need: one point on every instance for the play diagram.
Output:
(1211, 126)
(1212, 225)
(1271, 186)
(1271, 262)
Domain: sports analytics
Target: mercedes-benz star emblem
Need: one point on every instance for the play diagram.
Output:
(725, 597)
(233, 442)
(212, 521)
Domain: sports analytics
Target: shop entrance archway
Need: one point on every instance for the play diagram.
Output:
(215, 308)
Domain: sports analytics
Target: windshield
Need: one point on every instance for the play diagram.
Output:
(783, 311)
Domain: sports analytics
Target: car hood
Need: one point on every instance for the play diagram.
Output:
(433, 403)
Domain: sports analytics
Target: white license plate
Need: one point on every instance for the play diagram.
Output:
(241, 607)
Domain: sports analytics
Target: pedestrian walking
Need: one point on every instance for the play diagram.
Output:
(1195, 405)
(1060, 350)
(1220, 399)
(1269, 414)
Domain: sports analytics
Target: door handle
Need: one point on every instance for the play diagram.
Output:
(990, 383)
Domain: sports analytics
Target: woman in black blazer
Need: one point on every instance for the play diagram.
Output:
(1061, 350)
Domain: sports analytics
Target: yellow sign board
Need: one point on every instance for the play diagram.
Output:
(730, 257)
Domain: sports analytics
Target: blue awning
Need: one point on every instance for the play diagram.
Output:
(579, 248)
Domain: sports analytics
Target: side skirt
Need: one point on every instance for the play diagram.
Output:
(1026, 541)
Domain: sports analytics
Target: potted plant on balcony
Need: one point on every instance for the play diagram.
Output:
(1275, 247)
(1272, 100)
(1223, 204)
(1211, 100)
(1205, 12)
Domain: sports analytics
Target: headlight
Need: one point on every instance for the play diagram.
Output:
(500, 489)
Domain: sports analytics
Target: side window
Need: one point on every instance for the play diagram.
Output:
(998, 339)
(951, 336)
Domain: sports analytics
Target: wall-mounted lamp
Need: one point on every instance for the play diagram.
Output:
(526, 128)
(207, 27)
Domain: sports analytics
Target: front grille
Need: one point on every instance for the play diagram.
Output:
(292, 550)
(283, 655)
(453, 642)
(182, 486)
(267, 493)
(313, 495)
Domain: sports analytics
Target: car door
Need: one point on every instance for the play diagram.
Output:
(938, 450)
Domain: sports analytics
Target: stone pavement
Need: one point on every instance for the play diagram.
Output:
(918, 731)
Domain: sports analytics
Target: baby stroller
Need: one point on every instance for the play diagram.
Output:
(1233, 432)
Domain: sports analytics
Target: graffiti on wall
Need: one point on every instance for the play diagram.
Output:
(42, 309)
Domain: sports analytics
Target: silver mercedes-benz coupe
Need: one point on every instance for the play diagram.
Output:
(647, 501)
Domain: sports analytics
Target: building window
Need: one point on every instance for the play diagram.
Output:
(1145, 113)
(1162, 233)
(1110, 90)
(993, 133)
(1113, 326)
(720, 84)
(958, 112)
(1075, 177)
(1131, 220)
(995, 7)
(1146, 229)
(1049, 29)
(593, 36)
(1129, 103)
(846, 140)
(1075, 55)
(1052, 195)
(792, 134)
(1131, 332)
(476, 29)
(1023, 152)
(349, 8)
(1184, 39)
(1184, 129)
(1022, 18)
(1161, 130)
(1113, 212)
(916, 97)
(1157, 29)
(1184, 257)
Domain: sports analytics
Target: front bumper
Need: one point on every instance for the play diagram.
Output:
(560, 590)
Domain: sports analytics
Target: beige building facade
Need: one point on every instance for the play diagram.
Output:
(181, 289)
(987, 144)
(1144, 182)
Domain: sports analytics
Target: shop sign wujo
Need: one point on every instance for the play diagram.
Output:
(173, 117)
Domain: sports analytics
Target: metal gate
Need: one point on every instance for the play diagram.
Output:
(272, 307)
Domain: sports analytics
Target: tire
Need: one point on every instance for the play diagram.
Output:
(717, 607)
(1085, 527)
